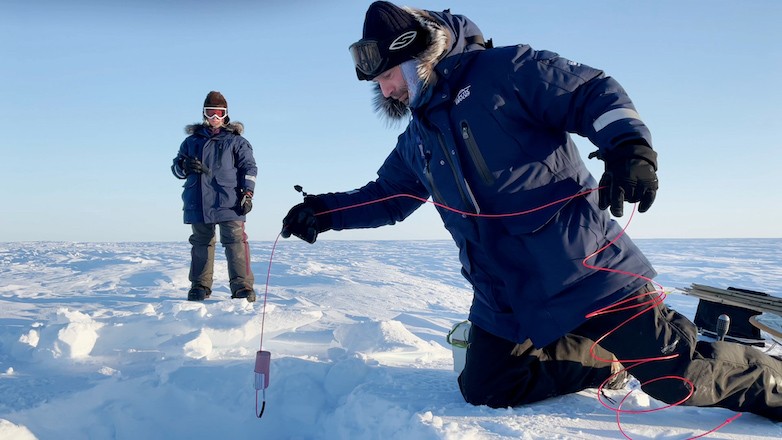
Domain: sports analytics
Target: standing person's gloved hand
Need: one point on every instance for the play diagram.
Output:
(630, 176)
(192, 165)
(303, 222)
(246, 201)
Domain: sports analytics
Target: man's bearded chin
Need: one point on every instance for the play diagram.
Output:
(403, 96)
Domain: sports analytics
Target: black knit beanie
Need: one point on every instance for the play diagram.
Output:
(399, 35)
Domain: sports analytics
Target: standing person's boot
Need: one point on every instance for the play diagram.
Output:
(199, 293)
(247, 293)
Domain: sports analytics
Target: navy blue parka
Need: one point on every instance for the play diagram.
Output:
(214, 196)
(493, 138)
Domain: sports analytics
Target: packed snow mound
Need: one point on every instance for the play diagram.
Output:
(10, 431)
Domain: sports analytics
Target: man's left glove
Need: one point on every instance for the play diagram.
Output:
(246, 201)
(630, 176)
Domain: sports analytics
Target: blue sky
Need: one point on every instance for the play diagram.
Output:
(98, 93)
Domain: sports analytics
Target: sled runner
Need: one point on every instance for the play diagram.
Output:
(771, 324)
(745, 312)
(747, 299)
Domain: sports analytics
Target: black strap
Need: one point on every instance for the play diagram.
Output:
(478, 39)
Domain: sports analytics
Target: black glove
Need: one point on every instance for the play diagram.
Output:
(246, 201)
(630, 176)
(192, 165)
(303, 222)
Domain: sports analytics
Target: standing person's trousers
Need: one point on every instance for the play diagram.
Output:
(237, 254)
(723, 374)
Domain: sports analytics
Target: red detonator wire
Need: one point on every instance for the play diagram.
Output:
(629, 364)
(263, 358)
(465, 213)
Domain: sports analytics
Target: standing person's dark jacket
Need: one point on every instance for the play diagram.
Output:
(214, 195)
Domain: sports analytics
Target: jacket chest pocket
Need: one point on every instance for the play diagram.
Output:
(477, 160)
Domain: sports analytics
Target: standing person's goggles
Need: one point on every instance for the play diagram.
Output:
(215, 112)
(367, 58)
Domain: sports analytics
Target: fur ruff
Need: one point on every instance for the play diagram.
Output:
(233, 127)
(444, 41)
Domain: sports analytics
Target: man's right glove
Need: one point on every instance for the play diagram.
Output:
(306, 221)
(630, 176)
(192, 165)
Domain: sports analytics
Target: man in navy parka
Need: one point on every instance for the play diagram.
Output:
(489, 141)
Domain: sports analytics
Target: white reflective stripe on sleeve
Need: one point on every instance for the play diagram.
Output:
(613, 116)
(249, 177)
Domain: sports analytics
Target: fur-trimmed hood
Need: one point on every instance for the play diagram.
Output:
(233, 127)
(450, 35)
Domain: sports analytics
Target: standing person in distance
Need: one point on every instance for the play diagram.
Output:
(219, 170)
(489, 133)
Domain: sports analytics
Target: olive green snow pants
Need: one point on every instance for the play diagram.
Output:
(237, 254)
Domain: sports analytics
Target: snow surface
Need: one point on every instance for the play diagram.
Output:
(97, 342)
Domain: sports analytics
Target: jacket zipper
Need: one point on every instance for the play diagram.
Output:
(219, 154)
(475, 154)
(203, 154)
(468, 198)
(436, 196)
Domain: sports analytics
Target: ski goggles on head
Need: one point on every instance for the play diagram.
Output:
(367, 58)
(215, 112)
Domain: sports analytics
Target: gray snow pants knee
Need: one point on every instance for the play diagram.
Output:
(237, 254)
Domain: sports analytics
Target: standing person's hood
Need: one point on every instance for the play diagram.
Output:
(450, 35)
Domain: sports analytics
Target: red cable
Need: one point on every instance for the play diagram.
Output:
(616, 307)
(612, 308)
(470, 214)
(266, 289)
(263, 322)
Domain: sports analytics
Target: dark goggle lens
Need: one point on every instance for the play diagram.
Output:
(366, 57)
